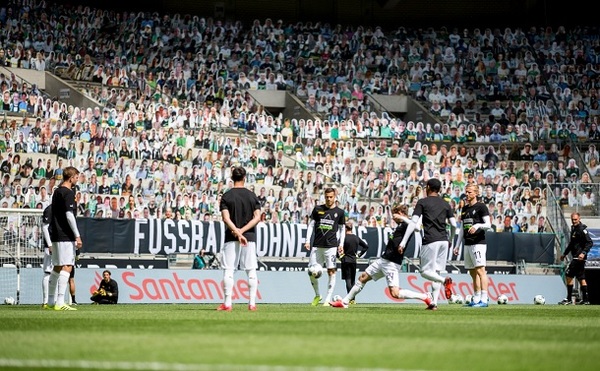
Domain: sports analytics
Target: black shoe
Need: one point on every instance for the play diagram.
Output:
(583, 302)
(565, 302)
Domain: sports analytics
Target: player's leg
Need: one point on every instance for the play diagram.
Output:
(230, 262)
(249, 263)
(45, 285)
(584, 299)
(47, 268)
(330, 261)
(348, 275)
(316, 256)
(470, 267)
(428, 259)
(480, 252)
(72, 286)
(570, 275)
(65, 251)
(391, 272)
(54, 274)
(372, 270)
(430, 263)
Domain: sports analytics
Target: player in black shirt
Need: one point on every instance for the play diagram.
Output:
(65, 237)
(240, 210)
(434, 212)
(327, 225)
(107, 292)
(388, 265)
(579, 246)
(348, 259)
(475, 220)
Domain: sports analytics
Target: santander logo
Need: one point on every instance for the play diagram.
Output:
(172, 287)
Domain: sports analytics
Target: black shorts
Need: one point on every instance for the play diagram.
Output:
(72, 272)
(576, 269)
(348, 270)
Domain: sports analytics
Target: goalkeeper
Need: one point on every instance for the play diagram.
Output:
(108, 290)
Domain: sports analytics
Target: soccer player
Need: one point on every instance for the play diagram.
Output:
(47, 260)
(579, 246)
(348, 259)
(475, 219)
(388, 265)
(326, 223)
(434, 212)
(65, 238)
(240, 210)
(107, 292)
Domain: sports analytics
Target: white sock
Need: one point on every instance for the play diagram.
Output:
(63, 282)
(436, 286)
(45, 284)
(476, 296)
(227, 286)
(315, 285)
(52, 285)
(253, 285)
(358, 286)
(484, 296)
(409, 294)
(330, 287)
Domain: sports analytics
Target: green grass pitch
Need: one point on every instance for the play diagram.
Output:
(301, 337)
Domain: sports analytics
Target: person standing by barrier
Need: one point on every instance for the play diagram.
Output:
(352, 243)
(240, 210)
(327, 223)
(434, 212)
(475, 220)
(579, 246)
(65, 238)
(388, 265)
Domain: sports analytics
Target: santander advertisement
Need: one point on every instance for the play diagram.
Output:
(204, 286)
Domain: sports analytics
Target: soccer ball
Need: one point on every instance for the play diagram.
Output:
(315, 270)
(456, 299)
(539, 300)
(468, 299)
(337, 298)
(502, 299)
(9, 300)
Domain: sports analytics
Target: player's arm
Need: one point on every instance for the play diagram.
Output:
(46, 232)
(409, 231)
(229, 223)
(309, 232)
(587, 244)
(73, 225)
(568, 249)
(364, 247)
(253, 222)
(487, 224)
(341, 233)
(114, 288)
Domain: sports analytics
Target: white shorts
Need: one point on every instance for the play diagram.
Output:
(234, 255)
(433, 256)
(326, 256)
(475, 256)
(63, 253)
(47, 261)
(385, 268)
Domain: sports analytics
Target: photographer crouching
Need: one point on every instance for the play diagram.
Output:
(107, 292)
